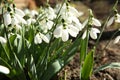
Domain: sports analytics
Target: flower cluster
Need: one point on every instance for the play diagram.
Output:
(59, 22)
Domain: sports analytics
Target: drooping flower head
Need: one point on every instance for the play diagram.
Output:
(92, 31)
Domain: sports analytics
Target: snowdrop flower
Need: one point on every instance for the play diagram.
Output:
(4, 69)
(74, 21)
(46, 25)
(18, 27)
(3, 40)
(39, 37)
(93, 33)
(117, 39)
(33, 13)
(7, 18)
(50, 13)
(62, 32)
(115, 18)
(19, 12)
(69, 9)
(16, 18)
(20, 19)
(74, 12)
(94, 21)
(30, 21)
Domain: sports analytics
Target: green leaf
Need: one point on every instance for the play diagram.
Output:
(83, 49)
(52, 69)
(109, 65)
(87, 66)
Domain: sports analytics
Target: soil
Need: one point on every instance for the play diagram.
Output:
(103, 54)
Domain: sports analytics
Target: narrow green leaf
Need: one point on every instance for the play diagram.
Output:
(109, 65)
(83, 50)
(87, 66)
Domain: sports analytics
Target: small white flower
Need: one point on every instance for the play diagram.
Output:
(26, 11)
(117, 39)
(73, 31)
(110, 21)
(49, 24)
(96, 22)
(30, 21)
(18, 27)
(14, 21)
(33, 13)
(115, 18)
(50, 13)
(3, 40)
(93, 33)
(20, 19)
(46, 25)
(44, 38)
(84, 34)
(7, 18)
(39, 37)
(58, 32)
(4, 69)
(74, 12)
(19, 12)
(65, 35)
(62, 32)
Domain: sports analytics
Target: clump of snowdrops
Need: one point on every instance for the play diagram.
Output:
(35, 45)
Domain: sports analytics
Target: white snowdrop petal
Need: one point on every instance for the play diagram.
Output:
(72, 33)
(93, 35)
(75, 19)
(74, 11)
(20, 19)
(117, 39)
(84, 34)
(33, 20)
(49, 24)
(19, 12)
(57, 32)
(7, 18)
(44, 38)
(4, 69)
(79, 26)
(18, 27)
(84, 23)
(110, 21)
(37, 39)
(65, 35)
(33, 13)
(95, 30)
(26, 11)
(96, 22)
(3, 40)
(117, 19)
(14, 21)
(29, 21)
